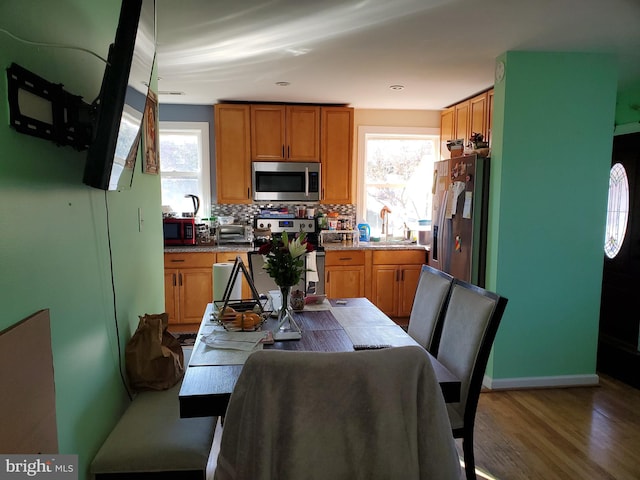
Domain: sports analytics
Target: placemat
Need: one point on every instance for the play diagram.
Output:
(203, 355)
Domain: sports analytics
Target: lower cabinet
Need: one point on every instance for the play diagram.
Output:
(344, 274)
(188, 285)
(389, 278)
(394, 276)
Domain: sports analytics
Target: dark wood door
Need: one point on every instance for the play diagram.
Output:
(618, 353)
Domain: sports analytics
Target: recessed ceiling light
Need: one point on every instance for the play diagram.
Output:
(396, 87)
(170, 92)
(283, 84)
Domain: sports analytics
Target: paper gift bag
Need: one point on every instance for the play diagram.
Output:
(153, 357)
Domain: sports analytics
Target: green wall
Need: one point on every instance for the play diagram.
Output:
(552, 141)
(54, 249)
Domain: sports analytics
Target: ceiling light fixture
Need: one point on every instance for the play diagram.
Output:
(170, 92)
(283, 84)
(396, 87)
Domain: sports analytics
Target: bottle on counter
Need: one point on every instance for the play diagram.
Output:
(364, 231)
(322, 221)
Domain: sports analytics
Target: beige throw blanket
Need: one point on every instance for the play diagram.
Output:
(367, 415)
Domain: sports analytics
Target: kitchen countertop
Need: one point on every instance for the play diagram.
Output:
(327, 247)
(242, 247)
(375, 246)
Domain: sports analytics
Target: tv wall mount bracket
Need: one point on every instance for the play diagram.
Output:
(69, 121)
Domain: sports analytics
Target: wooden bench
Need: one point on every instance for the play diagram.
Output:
(151, 441)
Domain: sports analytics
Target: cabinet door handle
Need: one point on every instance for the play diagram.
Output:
(177, 260)
(397, 276)
(288, 151)
(248, 192)
(174, 279)
(402, 277)
(345, 258)
(282, 151)
(180, 279)
(328, 273)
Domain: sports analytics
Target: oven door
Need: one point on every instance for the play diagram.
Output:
(264, 283)
(286, 181)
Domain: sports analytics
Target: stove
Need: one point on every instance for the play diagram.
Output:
(289, 225)
(266, 228)
(277, 226)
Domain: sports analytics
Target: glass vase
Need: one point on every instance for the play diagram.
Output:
(286, 323)
(284, 315)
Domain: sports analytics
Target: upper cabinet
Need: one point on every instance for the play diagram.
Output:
(467, 117)
(233, 153)
(478, 115)
(276, 133)
(447, 124)
(337, 153)
(285, 133)
(462, 121)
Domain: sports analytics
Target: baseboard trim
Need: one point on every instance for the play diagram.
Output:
(540, 382)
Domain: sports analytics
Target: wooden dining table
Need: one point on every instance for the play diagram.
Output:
(333, 326)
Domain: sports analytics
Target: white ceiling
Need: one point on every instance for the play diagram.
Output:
(351, 51)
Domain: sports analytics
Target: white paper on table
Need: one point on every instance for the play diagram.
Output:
(244, 341)
(203, 356)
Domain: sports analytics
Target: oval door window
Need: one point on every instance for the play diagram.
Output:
(617, 210)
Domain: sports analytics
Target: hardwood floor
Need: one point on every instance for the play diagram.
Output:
(567, 433)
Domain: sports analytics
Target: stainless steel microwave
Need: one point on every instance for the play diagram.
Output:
(286, 181)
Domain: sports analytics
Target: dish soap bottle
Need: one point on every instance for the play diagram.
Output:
(365, 232)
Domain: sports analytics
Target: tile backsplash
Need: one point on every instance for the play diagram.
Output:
(245, 213)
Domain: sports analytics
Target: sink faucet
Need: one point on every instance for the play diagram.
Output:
(384, 215)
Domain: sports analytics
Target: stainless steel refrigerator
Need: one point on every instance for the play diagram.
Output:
(459, 217)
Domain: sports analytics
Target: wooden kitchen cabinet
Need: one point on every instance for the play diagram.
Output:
(395, 275)
(344, 274)
(285, 133)
(462, 121)
(233, 153)
(336, 155)
(470, 116)
(448, 125)
(478, 115)
(188, 283)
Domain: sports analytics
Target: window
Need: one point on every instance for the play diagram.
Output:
(184, 165)
(617, 210)
(396, 166)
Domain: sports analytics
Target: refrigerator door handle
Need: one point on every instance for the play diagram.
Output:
(441, 233)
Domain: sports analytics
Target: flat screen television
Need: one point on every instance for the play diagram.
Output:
(120, 105)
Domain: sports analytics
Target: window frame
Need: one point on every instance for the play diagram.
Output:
(617, 214)
(363, 132)
(202, 129)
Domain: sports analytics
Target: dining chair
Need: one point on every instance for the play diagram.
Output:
(429, 306)
(371, 414)
(469, 328)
